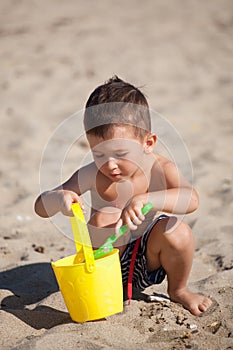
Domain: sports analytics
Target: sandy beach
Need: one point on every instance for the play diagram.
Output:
(53, 54)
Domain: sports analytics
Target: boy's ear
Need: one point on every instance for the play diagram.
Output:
(150, 141)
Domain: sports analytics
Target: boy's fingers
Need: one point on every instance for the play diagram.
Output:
(118, 226)
(77, 199)
(136, 220)
(130, 223)
(80, 203)
(67, 211)
(134, 217)
(139, 214)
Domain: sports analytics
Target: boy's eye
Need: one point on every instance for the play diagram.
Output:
(99, 155)
(123, 154)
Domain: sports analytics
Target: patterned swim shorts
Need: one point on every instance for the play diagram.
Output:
(141, 277)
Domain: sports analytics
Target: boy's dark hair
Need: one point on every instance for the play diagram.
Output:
(116, 103)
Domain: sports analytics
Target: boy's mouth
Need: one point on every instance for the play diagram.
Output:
(115, 175)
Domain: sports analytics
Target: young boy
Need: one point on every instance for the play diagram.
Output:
(124, 176)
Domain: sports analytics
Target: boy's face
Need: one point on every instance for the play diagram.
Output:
(119, 157)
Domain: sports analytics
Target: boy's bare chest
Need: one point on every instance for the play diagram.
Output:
(117, 194)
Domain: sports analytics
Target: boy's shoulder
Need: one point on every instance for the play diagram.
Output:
(164, 166)
(88, 167)
(165, 174)
(83, 177)
(162, 162)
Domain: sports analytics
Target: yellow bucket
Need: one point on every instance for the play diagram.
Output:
(92, 289)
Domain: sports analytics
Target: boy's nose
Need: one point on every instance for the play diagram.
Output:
(112, 164)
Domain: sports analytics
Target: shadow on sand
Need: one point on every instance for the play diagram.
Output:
(30, 284)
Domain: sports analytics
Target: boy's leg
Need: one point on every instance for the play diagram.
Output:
(171, 245)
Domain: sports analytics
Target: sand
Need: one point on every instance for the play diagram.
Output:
(53, 54)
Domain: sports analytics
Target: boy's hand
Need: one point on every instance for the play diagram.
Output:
(132, 214)
(66, 199)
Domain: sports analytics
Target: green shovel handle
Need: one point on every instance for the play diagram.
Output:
(107, 246)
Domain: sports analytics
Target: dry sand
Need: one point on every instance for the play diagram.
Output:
(53, 53)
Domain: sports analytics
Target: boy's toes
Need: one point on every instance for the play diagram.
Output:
(204, 305)
(198, 310)
(202, 308)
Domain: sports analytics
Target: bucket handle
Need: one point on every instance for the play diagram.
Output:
(81, 236)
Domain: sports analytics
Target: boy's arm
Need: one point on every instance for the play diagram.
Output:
(61, 198)
(176, 196)
(51, 202)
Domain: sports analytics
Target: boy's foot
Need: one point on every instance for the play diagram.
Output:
(195, 303)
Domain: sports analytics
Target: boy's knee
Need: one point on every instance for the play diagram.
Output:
(172, 233)
(178, 233)
(105, 217)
